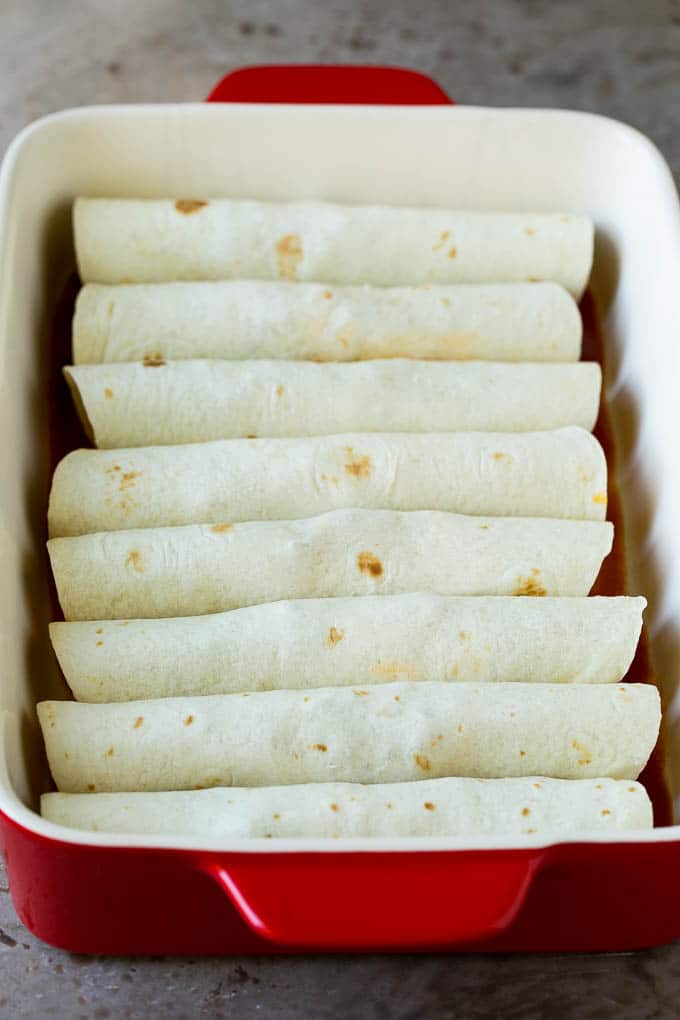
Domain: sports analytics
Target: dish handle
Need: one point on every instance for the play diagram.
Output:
(318, 83)
(376, 900)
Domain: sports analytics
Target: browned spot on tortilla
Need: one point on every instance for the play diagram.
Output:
(530, 585)
(108, 393)
(134, 560)
(529, 231)
(535, 279)
(296, 755)
(109, 753)
(189, 720)
(358, 466)
(464, 635)
(522, 754)
(189, 205)
(306, 698)
(219, 529)
(422, 762)
(212, 781)
(388, 805)
(334, 807)
(632, 789)
(428, 805)
(279, 390)
(445, 301)
(393, 669)
(320, 747)
(587, 758)
(127, 480)
(91, 787)
(138, 722)
(328, 294)
(334, 635)
(605, 811)
(343, 340)
(598, 786)
(369, 563)
(530, 832)
(443, 238)
(459, 728)
(499, 456)
(251, 435)
(483, 527)
(600, 497)
(276, 816)
(453, 252)
(359, 692)
(99, 644)
(397, 698)
(153, 361)
(526, 811)
(99, 630)
(289, 255)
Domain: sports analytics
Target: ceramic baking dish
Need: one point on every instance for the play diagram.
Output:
(106, 894)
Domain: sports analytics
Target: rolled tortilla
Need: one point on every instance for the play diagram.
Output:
(529, 474)
(198, 569)
(133, 241)
(432, 807)
(242, 319)
(195, 401)
(349, 641)
(388, 733)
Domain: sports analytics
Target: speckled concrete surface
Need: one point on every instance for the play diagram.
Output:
(618, 57)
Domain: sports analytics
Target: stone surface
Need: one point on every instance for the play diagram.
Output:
(617, 57)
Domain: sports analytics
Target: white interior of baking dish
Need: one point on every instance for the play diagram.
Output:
(454, 157)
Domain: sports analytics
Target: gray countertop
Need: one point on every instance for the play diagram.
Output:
(617, 57)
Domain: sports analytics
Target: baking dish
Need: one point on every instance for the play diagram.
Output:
(92, 892)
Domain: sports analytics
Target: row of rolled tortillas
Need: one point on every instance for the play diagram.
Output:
(432, 807)
(383, 733)
(241, 319)
(199, 568)
(353, 734)
(157, 402)
(350, 641)
(151, 241)
(528, 474)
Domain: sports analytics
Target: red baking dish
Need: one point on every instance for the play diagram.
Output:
(96, 893)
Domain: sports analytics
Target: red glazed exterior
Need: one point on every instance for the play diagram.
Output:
(568, 897)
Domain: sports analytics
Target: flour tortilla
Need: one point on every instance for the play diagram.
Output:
(133, 241)
(388, 733)
(532, 474)
(432, 807)
(242, 319)
(132, 404)
(195, 569)
(348, 641)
